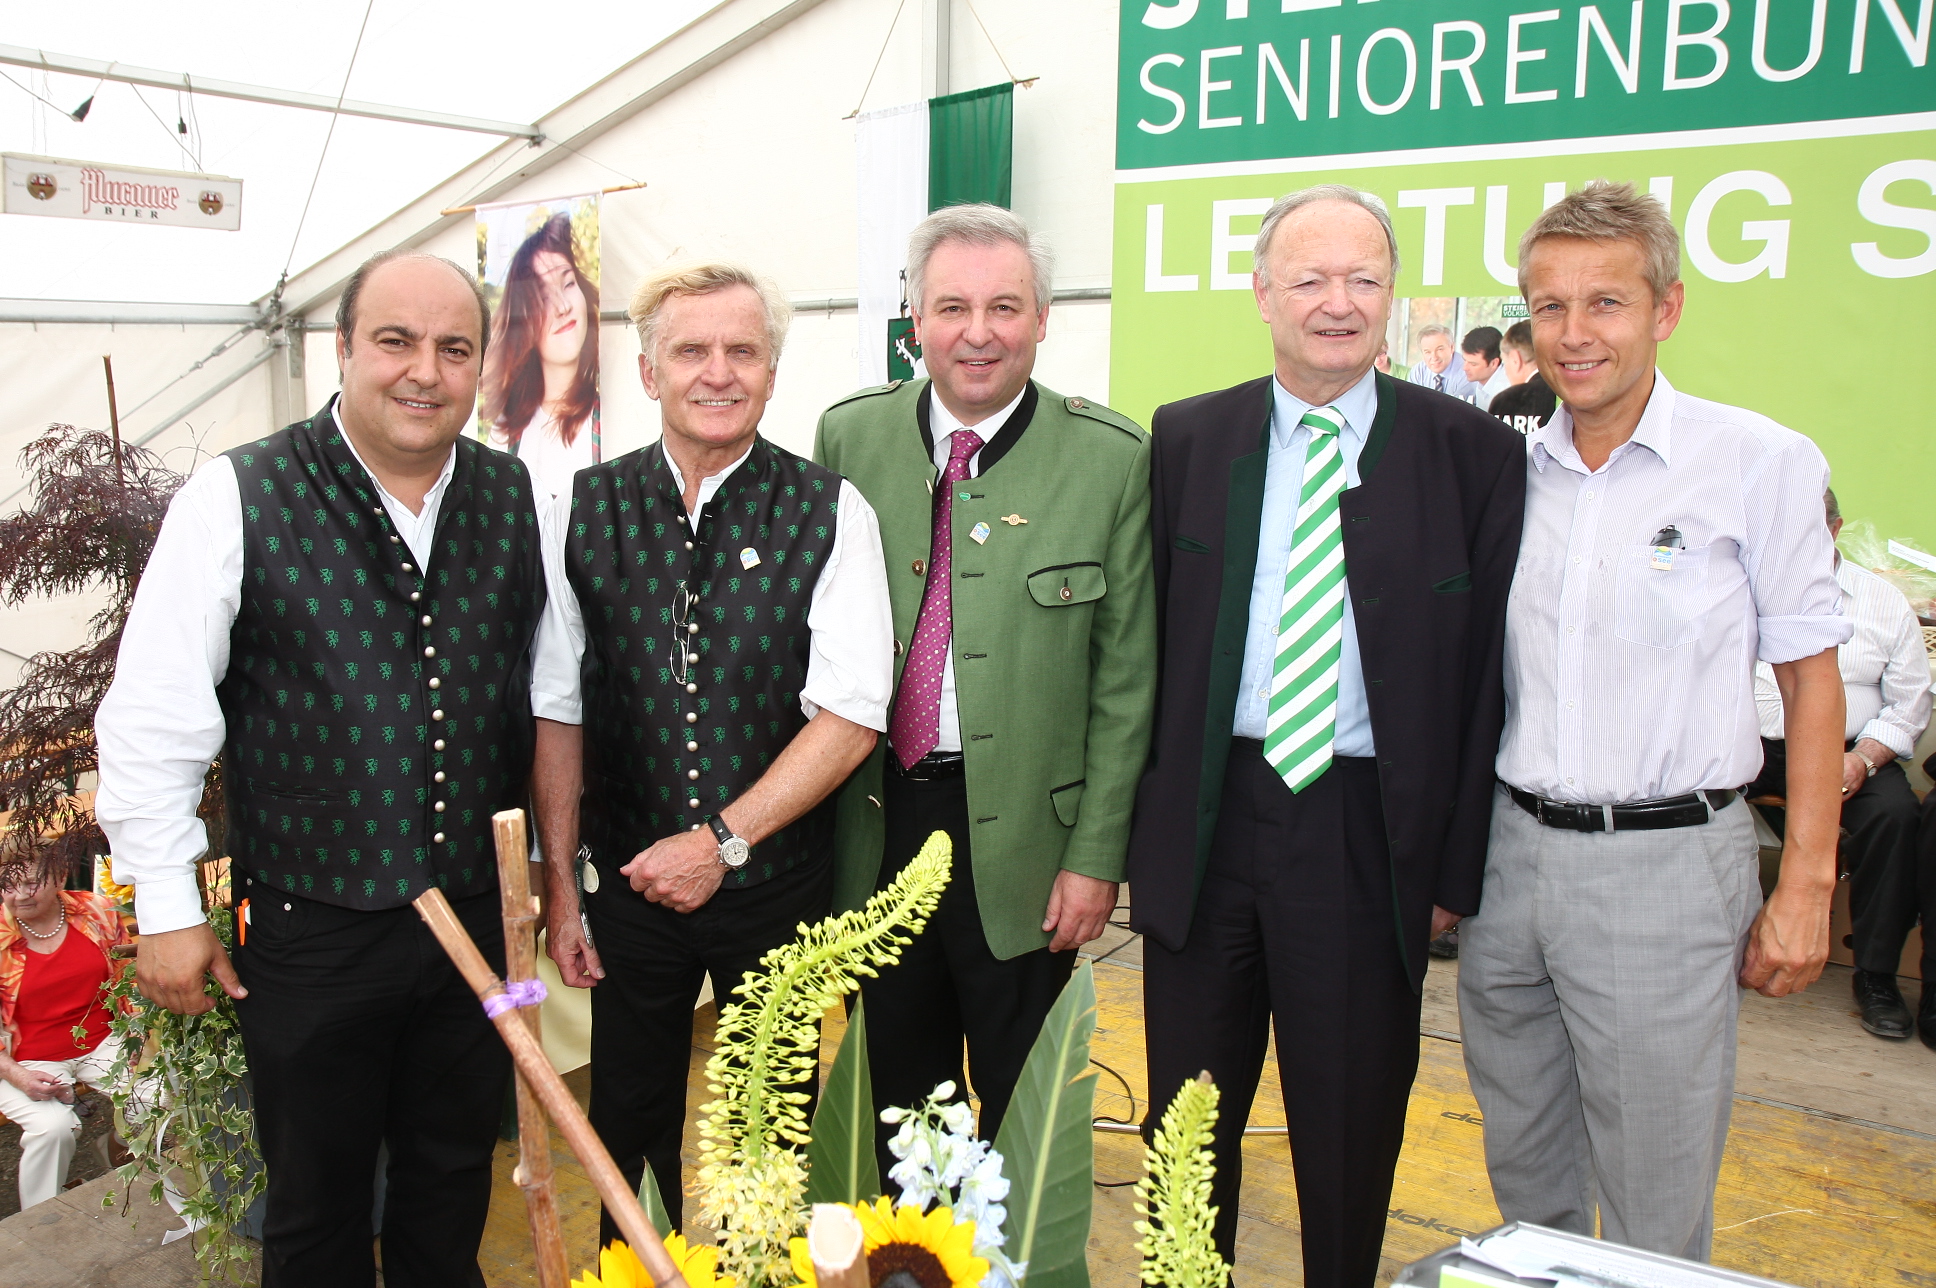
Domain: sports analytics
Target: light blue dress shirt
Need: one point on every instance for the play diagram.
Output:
(1283, 487)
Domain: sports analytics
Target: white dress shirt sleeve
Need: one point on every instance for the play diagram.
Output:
(850, 663)
(1791, 558)
(160, 724)
(1905, 688)
(560, 647)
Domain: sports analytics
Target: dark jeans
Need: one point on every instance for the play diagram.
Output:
(948, 988)
(360, 1033)
(655, 960)
(1294, 926)
(1881, 854)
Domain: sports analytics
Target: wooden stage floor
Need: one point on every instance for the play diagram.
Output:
(1830, 1176)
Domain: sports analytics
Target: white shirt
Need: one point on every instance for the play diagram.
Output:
(943, 424)
(1454, 377)
(1283, 487)
(545, 453)
(1885, 667)
(850, 660)
(1627, 682)
(1497, 381)
(160, 724)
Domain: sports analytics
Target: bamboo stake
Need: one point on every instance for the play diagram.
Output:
(114, 420)
(838, 1247)
(553, 1095)
(534, 1175)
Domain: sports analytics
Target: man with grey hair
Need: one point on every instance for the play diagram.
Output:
(1016, 527)
(1333, 550)
(1669, 542)
(1435, 368)
(713, 662)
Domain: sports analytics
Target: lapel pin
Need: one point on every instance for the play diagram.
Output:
(749, 558)
(979, 534)
(1012, 519)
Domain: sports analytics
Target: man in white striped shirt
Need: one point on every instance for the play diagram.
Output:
(1885, 677)
(1669, 542)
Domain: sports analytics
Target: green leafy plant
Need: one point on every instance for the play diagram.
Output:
(1179, 1245)
(1045, 1143)
(841, 1166)
(752, 1180)
(184, 1114)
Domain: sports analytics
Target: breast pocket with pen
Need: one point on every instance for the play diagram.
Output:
(1660, 606)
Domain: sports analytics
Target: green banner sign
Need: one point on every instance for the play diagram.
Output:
(1794, 143)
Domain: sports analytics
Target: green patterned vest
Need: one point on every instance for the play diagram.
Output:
(378, 713)
(666, 750)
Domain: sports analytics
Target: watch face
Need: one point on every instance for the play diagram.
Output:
(734, 852)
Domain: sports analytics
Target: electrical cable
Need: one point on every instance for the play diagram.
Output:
(1128, 1095)
(173, 137)
(335, 115)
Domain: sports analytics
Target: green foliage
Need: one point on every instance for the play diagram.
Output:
(1178, 1245)
(182, 1112)
(841, 1164)
(1046, 1147)
(654, 1205)
(751, 1181)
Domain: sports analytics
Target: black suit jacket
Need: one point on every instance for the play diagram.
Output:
(1430, 538)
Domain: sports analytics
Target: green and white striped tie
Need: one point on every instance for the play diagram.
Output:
(1302, 723)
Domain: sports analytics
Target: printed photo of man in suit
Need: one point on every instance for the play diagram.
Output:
(1016, 526)
(1333, 549)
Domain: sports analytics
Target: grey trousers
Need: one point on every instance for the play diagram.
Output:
(1598, 1000)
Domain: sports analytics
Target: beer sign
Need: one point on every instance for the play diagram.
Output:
(123, 194)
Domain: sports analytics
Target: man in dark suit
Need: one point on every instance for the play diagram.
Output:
(1333, 550)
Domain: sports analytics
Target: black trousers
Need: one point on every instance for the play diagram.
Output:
(1294, 926)
(1885, 868)
(655, 960)
(361, 1033)
(948, 988)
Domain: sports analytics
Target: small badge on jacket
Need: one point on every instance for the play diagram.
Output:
(749, 558)
(979, 534)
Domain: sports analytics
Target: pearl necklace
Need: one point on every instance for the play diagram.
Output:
(50, 934)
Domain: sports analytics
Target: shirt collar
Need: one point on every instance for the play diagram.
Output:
(1359, 404)
(436, 489)
(1554, 440)
(944, 423)
(708, 485)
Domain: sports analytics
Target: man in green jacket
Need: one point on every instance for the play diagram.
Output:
(1015, 523)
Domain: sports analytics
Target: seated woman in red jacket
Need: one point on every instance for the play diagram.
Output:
(54, 963)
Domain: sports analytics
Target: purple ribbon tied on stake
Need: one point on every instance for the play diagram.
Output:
(517, 993)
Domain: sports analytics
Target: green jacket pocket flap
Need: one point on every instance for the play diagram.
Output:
(1068, 802)
(1193, 545)
(1453, 585)
(1066, 584)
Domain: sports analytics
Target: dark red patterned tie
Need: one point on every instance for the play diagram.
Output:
(916, 725)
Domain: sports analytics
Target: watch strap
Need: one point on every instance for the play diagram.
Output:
(721, 832)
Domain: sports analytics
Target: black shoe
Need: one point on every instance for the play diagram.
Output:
(1884, 1013)
(1446, 945)
(1926, 1013)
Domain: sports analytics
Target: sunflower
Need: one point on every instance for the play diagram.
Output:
(906, 1249)
(620, 1267)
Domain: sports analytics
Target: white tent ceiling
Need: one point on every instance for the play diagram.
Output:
(486, 58)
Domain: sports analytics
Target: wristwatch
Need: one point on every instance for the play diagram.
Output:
(733, 850)
(1870, 763)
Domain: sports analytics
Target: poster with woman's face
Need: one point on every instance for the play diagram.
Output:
(538, 398)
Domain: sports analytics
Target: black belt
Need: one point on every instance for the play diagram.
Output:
(1640, 816)
(935, 765)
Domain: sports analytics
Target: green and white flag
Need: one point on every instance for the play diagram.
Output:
(911, 160)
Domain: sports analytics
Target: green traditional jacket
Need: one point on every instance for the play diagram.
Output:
(1054, 639)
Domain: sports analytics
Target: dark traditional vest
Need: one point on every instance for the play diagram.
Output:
(378, 713)
(670, 742)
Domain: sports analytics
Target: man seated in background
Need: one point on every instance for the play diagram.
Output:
(54, 964)
(1885, 671)
(1527, 401)
(1480, 356)
(1434, 369)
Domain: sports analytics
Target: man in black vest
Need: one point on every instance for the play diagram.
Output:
(715, 660)
(344, 612)
(1333, 550)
